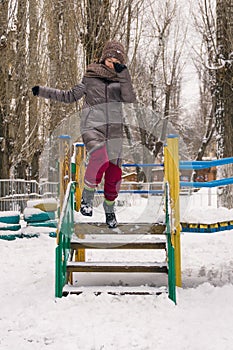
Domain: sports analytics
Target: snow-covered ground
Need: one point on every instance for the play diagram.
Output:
(31, 317)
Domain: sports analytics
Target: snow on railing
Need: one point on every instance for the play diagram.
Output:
(14, 193)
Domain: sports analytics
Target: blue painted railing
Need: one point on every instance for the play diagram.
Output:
(137, 191)
(214, 183)
(197, 165)
(143, 165)
(201, 164)
(191, 165)
(186, 164)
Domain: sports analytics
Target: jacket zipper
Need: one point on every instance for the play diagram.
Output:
(107, 117)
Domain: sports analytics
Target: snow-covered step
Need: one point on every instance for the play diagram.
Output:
(9, 227)
(149, 267)
(9, 217)
(114, 290)
(119, 242)
(122, 228)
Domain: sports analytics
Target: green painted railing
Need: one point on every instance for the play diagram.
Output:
(66, 229)
(170, 248)
(64, 233)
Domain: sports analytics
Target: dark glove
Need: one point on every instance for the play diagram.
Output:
(35, 90)
(119, 67)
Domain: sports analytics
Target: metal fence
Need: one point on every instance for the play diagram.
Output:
(14, 193)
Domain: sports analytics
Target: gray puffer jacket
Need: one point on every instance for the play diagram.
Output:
(104, 90)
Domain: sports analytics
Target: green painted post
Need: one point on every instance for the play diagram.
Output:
(64, 234)
(170, 247)
(171, 253)
(58, 269)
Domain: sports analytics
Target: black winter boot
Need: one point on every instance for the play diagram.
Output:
(86, 208)
(110, 215)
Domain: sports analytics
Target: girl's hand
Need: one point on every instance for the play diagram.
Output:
(119, 67)
(35, 90)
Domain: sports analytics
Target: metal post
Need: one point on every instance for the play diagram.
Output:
(64, 165)
(80, 157)
(209, 196)
(173, 178)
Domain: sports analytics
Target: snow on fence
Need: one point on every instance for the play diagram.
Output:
(14, 193)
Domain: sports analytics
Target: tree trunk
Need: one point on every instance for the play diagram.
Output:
(97, 28)
(4, 47)
(224, 100)
(18, 126)
(33, 143)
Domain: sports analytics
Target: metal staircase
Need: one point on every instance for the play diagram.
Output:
(139, 238)
(74, 239)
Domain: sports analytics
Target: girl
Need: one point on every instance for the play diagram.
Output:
(105, 86)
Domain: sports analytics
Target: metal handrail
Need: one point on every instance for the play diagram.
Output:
(64, 233)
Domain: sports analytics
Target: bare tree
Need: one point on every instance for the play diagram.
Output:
(224, 76)
(4, 78)
(51, 42)
(13, 86)
(216, 26)
(95, 29)
(157, 76)
(33, 143)
(224, 91)
(22, 32)
(204, 25)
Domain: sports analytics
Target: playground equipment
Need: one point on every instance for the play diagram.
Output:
(197, 165)
(73, 239)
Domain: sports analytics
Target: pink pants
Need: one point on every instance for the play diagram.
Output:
(98, 165)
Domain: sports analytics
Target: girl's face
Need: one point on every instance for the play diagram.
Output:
(109, 62)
